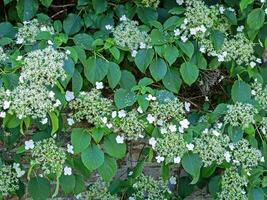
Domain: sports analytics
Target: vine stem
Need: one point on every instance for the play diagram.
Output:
(57, 188)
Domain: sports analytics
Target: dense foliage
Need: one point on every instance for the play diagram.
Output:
(83, 82)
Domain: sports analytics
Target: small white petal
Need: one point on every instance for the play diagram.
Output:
(99, 85)
(69, 96)
(190, 146)
(120, 139)
(29, 144)
(67, 171)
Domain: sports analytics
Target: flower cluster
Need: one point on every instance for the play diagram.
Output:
(43, 67)
(212, 146)
(128, 35)
(3, 56)
(49, 156)
(150, 3)
(5, 101)
(240, 114)
(244, 155)
(128, 124)
(147, 187)
(170, 147)
(91, 106)
(233, 186)
(260, 94)
(30, 29)
(8, 180)
(98, 190)
(263, 126)
(34, 101)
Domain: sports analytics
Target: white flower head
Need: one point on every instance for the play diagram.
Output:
(133, 53)
(227, 156)
(190, 146)
(202, 49)
(172, 180)
(258, 60)
(262, 159)
(240, 28)
(177, 32)
(120, 139)
(70, 121)
(150, 118)
(51, 94)
(252, 64)
(29, 144)
(184, 38)
(69, 96)
(184, 123)
(139, 109)
(2, 114)
(67, 171)
(160, 122)
(216, 133)
(108, 27)
(266, 11)
(159, 159)
(131, 198)
(172, 128)
(68, 52)
(50, 42)
(19, 58)
(163, 130)
(177, 160)
(181, 129)
(104, 120)
(6, 104)
(152, 141)
(44, 121)
(99, 85)
(70, 149)
(142, 45)
(179, 2)
(122, 114)
(150, 98)
(114, 114)
(109, 125)
(187, 106)
(221, 9)
(123, 18)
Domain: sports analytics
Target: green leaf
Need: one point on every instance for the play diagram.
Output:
(158, 69)
(99, 6)
(256, 18)
(11, 121)
(192, 164)
(127, 80)
(256, 194)
(67, 183)
(147, 14)
(108, 169)
(158, 37)
(92, 157)
(171, 53)
(235, 133)
(27, 9)
(97, 134)
(80, 139)
(84, 40)
(172, 80)
(72, 24)
(114, 74)
(244, 4)
(124, 98)
(96, 69)
(39, 188)
(7, 30)
(46, 3)
(189, 73)
(241, 92)
(54, 122)
(217, 39)
(214, 185)
(112, 148)
(230, 16)
(115, 52)
(187, 48)
(143, 58)
(77, 82)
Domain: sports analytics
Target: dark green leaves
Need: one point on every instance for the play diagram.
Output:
(143, 59)
(256, 18)
(7, 30)
(114, 74)
(158, 69)
(241, 92)
(108, 169)
(217, 39)
(72, 24)
(84, 40)
(80, 139)
(192, 164)
(124, 98)
(46, 3)
(27, 9)
(92, 157)
(189, 73)
(99, 5)
(172, 80)
(96, 69)
(187, 48)
(39, 188)
(112, 148)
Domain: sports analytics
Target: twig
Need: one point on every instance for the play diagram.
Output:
(58, 13)
(63, 6)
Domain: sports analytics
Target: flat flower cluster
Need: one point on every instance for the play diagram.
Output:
(259, 92)
(28, 32)
(9, 181)
(150, 3)
(3, 56)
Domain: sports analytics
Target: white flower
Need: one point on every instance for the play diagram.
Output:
(177, 160)
(58, 103)
(263, 1)
(262, 159)
(152, 141)
(70, 121)
(240, 28)
(177, 32)
(216, 133)
(131, 198)
(142, 45)
(69, 96)
(44, 121)
(258, 60)
(179, 2)
(231, 146)
(266, 11)
(172, 128)
(172, 180)
(184, 38)
(190, 146)
(150, 98)
(187, 106)
(220, 58)
(150, 118)
(108, 27)
(70, 149)
(51, 94)
(221, 9)
(160, 122)
(184, 123)
(139, 109)
(19, 58)
(109, 125)
(50, 42)
(6, 104)
(121, 114)
(133, 53)
(202, 49)
(29, 144)
(2, 114)
(253, 92)
(159, 159)
(104, 120)
(130, 173)
(120, 139)
(67, 171)
(68, 52)
(181, 129)
(19, 41)
(18, 170)
(43, 28)
(99, 85)
(227, 156)
(163, 130)
(231, 9)
(203, 29)
(141, 136)
(114, 114)
(252, 64)
(123, 18)
(248, 173)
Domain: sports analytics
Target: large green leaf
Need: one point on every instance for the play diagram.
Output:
(256, 194)
(77, 82)
(112, 148)
(67, 183)
(189, 73)
(241, 92)
(39, 188)
(171, 53)
(46, 3)
(84, 40)
(7, 30)
(256, 18)
(124, 98)
(187, 48)
(172, 80)
(92, 157)
(217, 39)
(143, 59)
(72, 24)
(99, 5)
(27, 9)
(80, 139)
(114, 74)
(192, 164)
(158, 69)
(96, 69)
(108, 169)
